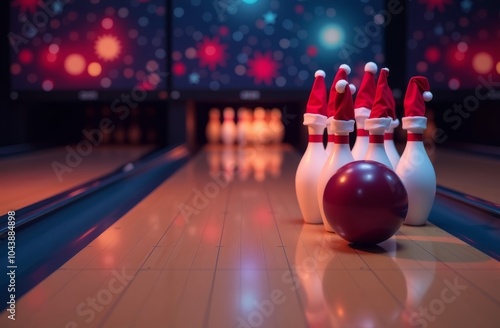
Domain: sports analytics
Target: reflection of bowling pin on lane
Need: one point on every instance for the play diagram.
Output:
(340, 154)
(390, 148)
(378, 122)
(213, 130)
(362, 108)
(228, 129)
(415, 168)
(306, 177)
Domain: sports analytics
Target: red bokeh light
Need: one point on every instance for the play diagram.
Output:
(263, 68)
(432, 54)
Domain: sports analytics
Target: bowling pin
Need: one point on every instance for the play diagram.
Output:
(331, 136)
(342, 124)
(306, 177)
(378, 122)
(228, 128)
(390, 147)
(243, 127)
(362, 108)
(276, 126)
(260, 128)
(415, 168)
(213, 130)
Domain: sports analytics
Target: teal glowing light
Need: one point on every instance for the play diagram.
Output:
(331, 36)
(250, 2)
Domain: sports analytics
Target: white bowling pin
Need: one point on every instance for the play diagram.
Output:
(417, 173)
(243, 127)
(341, 152)
(228, 128)
(390, 147)
(415, 168)
(362, 108)
(213, 130)
(376, 150)
(379, 122)
(330, 143)
(340, 156)
(276, 126)
(362, 136)
(260, 128)
(306, 178)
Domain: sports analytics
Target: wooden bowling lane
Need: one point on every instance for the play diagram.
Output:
(221, 243)
(470, 173)
(28, 178)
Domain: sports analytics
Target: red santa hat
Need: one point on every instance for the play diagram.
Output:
(317, 98)
(342, 73)
(417, 92)
(366, 92)
(392, 106)
(343, 102)
(383, 94)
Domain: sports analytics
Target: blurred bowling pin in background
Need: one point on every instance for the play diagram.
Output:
(379, 122)
(228, 128)
(306, 177)
(243, 127)
(260, 128)
(276, 126)
(213, 130)
(415, 168)
(390, 148)
(362, 108)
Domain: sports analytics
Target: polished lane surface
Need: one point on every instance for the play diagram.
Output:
(221, 243)
(28, 178)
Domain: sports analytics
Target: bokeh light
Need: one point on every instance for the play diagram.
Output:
(74, 64)
(482, 63)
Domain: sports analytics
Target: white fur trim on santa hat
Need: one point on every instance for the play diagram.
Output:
(378, 125)
(353, 88)
(314, 119)
(427, 95)
(320, 72)
(371, 67)
(362, 112)
(394, 123)
(342, 127)
(340, 86)
(415, 124)
(346, 68)
(329, 125)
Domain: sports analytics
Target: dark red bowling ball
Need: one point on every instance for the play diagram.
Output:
(365, 202)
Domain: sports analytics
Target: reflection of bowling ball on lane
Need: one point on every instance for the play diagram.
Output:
(367, 297)
(365, 202)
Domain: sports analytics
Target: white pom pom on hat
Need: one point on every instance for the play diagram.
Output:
(346, 68)
(320, 72)
(341, 85)
(353, 88)
(427, 95)
(371, 67)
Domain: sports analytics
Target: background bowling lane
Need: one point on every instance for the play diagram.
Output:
(31, 177)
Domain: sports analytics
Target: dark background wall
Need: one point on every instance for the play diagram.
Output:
(164, 122)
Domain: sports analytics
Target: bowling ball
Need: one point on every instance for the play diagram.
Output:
(365, 202)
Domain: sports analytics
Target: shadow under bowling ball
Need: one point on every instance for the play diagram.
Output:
(365, 202)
